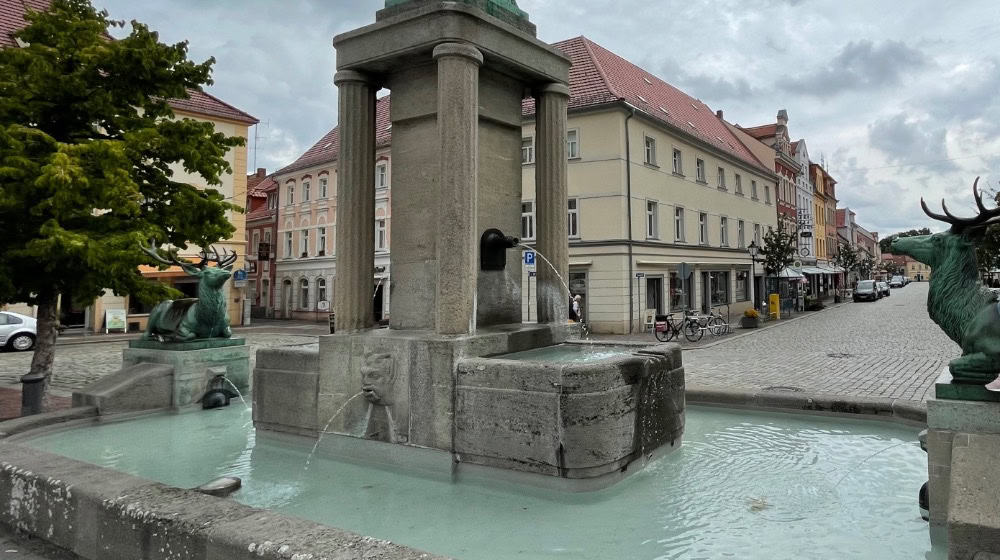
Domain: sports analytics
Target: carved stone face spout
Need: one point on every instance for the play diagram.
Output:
(377, 378)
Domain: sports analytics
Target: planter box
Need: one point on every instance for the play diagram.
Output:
(749, 322)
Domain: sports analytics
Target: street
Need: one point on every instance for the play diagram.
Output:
(887, 348)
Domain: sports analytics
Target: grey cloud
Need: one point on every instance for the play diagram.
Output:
(905, 141)
(861, 65)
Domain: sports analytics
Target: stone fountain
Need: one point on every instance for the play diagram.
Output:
(437, 377)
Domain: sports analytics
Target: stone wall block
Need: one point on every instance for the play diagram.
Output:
(551, 200)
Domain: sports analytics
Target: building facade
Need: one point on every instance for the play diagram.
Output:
(262, 230)
(804, 206)
(786, 167)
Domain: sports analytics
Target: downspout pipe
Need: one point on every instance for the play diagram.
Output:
(628, 206)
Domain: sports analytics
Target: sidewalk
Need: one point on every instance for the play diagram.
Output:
(277, 326)
(10, 403)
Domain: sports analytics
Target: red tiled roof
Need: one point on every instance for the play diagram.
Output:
(263, 187)
(795, 147)
(329, 145)
(200, 103)
(762, 131)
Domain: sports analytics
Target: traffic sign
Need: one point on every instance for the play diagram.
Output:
(531, 274)
(640, 274)
(239, 275)
(683, 270)
(529, 258)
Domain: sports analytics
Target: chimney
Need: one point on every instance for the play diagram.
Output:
(783, 117)
(262, 172)
(719, 113)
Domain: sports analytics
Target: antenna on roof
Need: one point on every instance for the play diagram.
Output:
(256, 140)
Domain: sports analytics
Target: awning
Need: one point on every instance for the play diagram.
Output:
(789, 273)
(814, 270)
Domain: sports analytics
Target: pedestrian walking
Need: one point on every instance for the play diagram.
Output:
(575, 309)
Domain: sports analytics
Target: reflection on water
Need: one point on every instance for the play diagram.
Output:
(570, 353)
(744, 485)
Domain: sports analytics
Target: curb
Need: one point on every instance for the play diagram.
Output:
(25, 423)
(899, 410)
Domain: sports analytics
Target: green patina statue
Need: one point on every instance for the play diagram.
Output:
(957, 301)
(187, 319)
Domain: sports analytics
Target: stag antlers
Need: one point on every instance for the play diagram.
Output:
(227, 258)
(985, 217)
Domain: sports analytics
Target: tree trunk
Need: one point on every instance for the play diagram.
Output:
(35, 383)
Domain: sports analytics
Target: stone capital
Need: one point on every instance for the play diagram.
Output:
(553, 88)
(343, 76)
(458, 49)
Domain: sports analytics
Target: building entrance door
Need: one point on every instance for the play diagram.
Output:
(286, 299)
(377, 303)
(654, 293)
(706, 293)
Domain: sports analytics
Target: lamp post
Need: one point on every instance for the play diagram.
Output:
(753, 249)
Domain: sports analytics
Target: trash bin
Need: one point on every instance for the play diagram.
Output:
(331, 323)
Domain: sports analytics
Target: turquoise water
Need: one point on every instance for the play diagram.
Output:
(570, 353)
(744, 485)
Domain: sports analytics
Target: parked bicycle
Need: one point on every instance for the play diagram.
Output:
(717, 324)
(667, 327)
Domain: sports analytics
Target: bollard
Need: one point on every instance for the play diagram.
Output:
(32, 392)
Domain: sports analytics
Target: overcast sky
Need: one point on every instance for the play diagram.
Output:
(901, 99)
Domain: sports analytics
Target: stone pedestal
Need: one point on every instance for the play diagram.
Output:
(963, 447)
(195, 364)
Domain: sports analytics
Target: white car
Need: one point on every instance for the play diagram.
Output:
(17, 331)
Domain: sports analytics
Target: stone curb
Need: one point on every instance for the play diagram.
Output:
(25, 423)
(899, 410)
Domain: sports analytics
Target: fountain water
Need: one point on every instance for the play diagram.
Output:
(326, 427)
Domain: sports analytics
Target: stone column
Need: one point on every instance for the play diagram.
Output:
(355, 201)
(458, 134)
(551, 200)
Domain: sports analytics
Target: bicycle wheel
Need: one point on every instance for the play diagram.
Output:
(715, 326)
(692, 331)
(665, 335)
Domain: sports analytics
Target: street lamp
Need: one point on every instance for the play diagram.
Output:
(753, 250)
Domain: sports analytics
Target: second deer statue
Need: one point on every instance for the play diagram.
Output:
(192, 318)
(957, 301)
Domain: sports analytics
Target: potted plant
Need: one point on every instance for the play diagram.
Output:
(750, 319)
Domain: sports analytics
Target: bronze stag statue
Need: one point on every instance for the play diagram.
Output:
(957, 301)
(205, 316)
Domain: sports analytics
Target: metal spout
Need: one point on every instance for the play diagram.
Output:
(493, 247)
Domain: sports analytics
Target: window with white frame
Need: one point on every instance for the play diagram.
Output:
(381, 176)
(304, 242)
(756, 235)
(678, 166)
(724, 231)
(753, 189)
(527, 220)
(573, 143)
(678, 224)
(651, 219)
(272, 201)
(699, 171)
(321, 289)
(703, 228)
(254, 248)
(573, 219)
(741, 234)
(321, 241)
(290, 194)
(650, 150)
(721, 176)
(305, 191)
(322, 187)
(267, 239)
(767, 194)
(527, 150)
(288, 244)
(381, 241)
(739, 184)
(303, 294)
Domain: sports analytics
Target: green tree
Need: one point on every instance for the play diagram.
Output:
(866, 265)
(778, 251)
(846, 257)
(885, 244)
(87, 142)
(892, 269)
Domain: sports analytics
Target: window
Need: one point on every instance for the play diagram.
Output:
(699, 171)
(722, 178)
(719, 286)
(322, 187)
(650, 151)
(527, 220)
(756, 235)
(290, 198)
(573, 144)
(527, 150)
(724, 231)
(255, 244)
(288, 244)
(651, 212)
(742, 285)
(740, 234)
(321, 241)
(380, 237)
(703, 228)
(304, 242)
(305, 191)
(381, 176)
(321, 289)
(303, 294)
(680, 292)
(272, 201)
(739, 184)
(574, 218)
(753, 190)
(678, 167)
(767, 194)
(678, 224)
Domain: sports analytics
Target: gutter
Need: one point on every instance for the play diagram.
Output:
(628, 206)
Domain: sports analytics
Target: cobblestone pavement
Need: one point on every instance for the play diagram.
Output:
(78, 365)
(887, 348)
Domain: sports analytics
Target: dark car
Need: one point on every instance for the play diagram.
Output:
(866, 290)
(896, 282)
(883, 288)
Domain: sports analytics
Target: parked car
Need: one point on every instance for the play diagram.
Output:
(906, 280)
(896, 282)
(867, 290)
(17, 331)
(883, 289)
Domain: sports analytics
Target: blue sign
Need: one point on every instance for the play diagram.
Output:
(529, 258)
(239, 275)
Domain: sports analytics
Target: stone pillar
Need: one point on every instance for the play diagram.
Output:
(550, 195)
(457, 236)
(355, 201)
